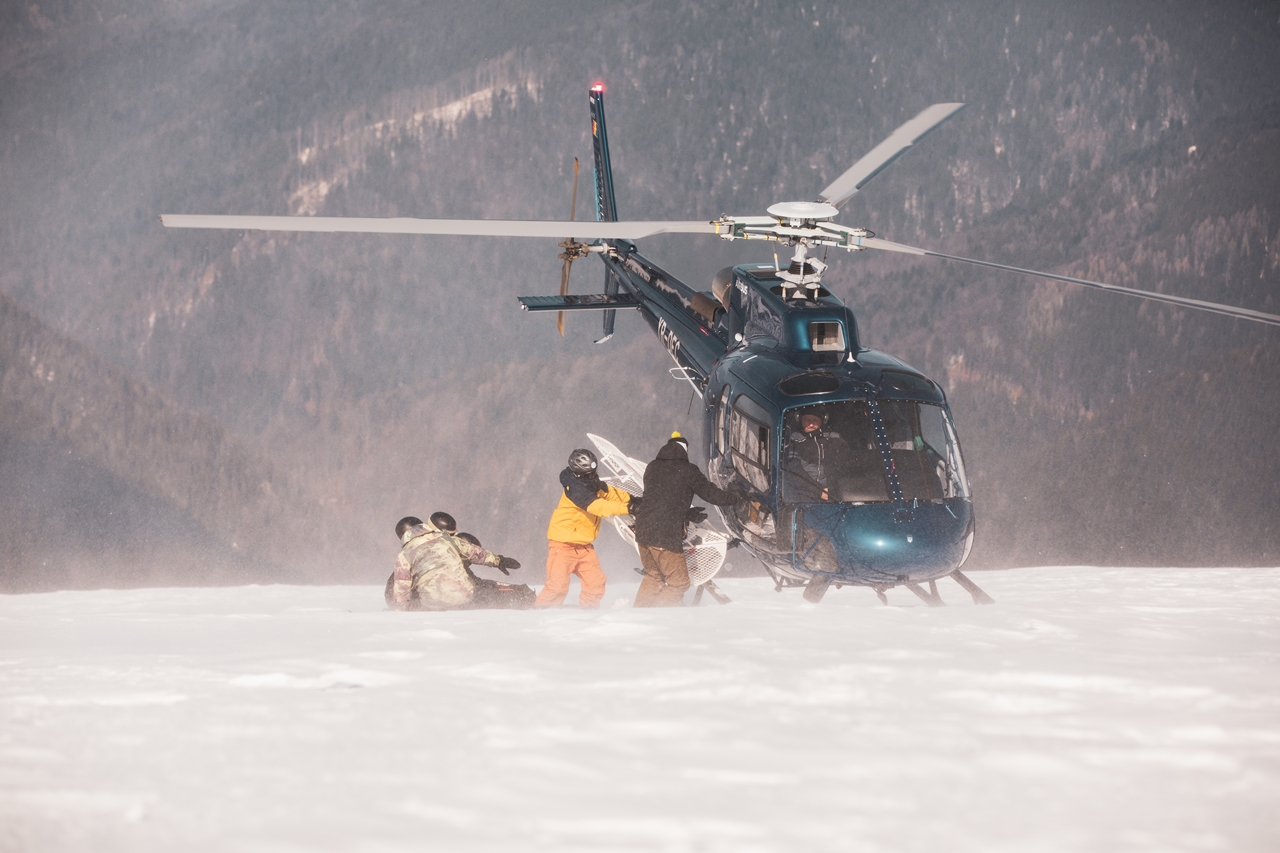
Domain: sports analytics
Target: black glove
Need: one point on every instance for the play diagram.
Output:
(695, 515)
(506, 563)
(634, 504)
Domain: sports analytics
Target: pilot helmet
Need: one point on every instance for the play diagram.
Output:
(811, 415)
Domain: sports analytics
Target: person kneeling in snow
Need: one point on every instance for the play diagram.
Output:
(495, 595)
(431, 571)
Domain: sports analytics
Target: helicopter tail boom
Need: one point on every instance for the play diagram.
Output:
(584, 302)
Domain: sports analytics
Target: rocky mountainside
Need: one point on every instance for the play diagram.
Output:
(382, 376)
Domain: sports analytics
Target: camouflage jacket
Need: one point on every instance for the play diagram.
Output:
(432, 564)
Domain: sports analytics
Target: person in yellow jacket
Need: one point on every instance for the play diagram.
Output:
(574, 525)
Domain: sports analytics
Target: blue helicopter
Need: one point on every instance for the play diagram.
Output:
(849, 455)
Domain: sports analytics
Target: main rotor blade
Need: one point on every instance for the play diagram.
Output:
(1214, 307)
(855, 178)
(458, 227)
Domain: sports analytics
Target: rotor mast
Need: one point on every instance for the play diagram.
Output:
(803, 225)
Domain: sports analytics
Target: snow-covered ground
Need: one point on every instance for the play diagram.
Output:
(1088, 709)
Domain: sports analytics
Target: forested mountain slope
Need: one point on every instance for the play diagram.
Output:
(108, 482)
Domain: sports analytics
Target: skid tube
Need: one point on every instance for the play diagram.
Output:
(711, 589)
(979, 597)
(933, 599)
(816, 587)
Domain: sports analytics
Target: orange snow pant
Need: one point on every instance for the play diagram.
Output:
(563, 560)
(666, 577)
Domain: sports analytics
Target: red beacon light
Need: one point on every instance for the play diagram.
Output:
(599, 87)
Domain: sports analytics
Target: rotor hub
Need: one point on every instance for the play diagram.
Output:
(799, 213)
(573, 250)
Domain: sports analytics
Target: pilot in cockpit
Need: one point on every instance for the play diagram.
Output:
(816, 459)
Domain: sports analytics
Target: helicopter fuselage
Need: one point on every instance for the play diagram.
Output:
(875, 493)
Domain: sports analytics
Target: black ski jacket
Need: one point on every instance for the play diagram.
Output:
(670, 483)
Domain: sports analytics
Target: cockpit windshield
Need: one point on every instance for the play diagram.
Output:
(830, 453)
(925, 451)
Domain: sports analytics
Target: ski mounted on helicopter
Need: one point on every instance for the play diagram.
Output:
(889, 504)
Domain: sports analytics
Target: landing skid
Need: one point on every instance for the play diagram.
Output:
(933, 599)
(712, 590)
(816, 587)
(930, 597)
(979, 597)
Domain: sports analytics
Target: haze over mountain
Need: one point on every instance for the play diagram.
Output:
(368, 377)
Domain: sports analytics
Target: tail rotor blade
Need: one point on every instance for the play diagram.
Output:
(568, 249)
(564, 291)
(573, 205)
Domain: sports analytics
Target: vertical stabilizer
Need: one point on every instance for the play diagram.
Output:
(606, 210)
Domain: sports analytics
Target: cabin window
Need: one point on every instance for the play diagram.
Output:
(926, 454)
(827, 337)
(749, 441)
(838, 460)
(759, 320)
